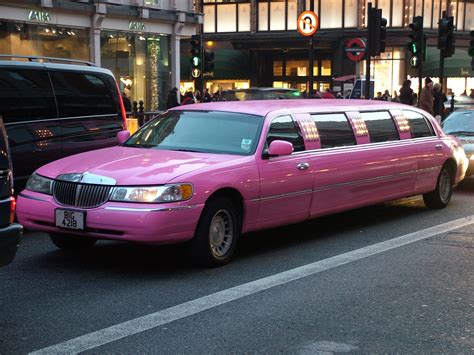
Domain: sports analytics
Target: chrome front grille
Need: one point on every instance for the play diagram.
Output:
(80, 195)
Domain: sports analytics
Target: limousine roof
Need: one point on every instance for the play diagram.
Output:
(264, 107)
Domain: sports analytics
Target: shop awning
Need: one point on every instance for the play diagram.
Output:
(459, 65)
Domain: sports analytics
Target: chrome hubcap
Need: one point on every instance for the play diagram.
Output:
(444, 186)
(221, 233)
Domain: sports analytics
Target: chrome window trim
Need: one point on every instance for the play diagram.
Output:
(163, 209)
(60, 118)
(274, 197)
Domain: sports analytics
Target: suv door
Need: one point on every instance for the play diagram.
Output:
(31, 119)
(9, 231)
(89, 108)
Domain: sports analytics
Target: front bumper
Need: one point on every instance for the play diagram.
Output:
(9, 241)
(143, 223)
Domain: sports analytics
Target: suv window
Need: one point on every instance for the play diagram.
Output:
(419, 126)
(334, 130)
(26, 95)
(284, 128)
(81, 94)
(381, 126)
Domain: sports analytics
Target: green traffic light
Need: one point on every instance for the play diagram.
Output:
(196, 61)
(413, 48)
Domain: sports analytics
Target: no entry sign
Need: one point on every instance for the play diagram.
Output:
(355, 49)
(308, 23)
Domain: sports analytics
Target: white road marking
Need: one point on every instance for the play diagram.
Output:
(153, 320)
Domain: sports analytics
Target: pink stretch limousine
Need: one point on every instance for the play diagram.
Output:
(207, 173)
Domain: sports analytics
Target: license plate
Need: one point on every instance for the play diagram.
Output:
(70, 219)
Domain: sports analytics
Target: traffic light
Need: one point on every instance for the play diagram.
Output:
(417, 44)
(377, 31)
(196, 50)
(446, 37)
(471, 50)
(208, 61)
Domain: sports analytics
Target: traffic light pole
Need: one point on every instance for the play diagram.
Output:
(200, 80)
(420, 81)
(311, 59)
(368, 49)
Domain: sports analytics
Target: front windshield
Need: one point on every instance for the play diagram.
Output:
(201, 131)
(459, 123)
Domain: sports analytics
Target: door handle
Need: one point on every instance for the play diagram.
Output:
(439, 146)
(302, 166)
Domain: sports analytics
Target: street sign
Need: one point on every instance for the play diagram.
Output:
(196, 73)
(355, 49)
(308, 23)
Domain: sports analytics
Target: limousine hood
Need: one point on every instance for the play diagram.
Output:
(134, 166)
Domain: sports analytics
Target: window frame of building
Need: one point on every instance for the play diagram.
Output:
(216, 3)
(268, 15)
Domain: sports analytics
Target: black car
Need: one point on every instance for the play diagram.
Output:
(52, 110)
(10, 232)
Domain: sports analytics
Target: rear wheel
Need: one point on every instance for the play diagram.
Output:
(71, 242)
(216, 235)
(440, 197)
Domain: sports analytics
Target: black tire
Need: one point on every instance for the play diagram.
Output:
(440, 197)
(215, 247)
(71, 242)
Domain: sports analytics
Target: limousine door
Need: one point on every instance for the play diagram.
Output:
(285, 181)
(349, 175)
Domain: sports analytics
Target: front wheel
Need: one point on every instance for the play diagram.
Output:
(440, 197)
(71, 242)
(216, 235)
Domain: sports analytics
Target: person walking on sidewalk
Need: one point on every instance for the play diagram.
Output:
(426, 97)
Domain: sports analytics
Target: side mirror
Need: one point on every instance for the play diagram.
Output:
(122, 136)
(279, 147)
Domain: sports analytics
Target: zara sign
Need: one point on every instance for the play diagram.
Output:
(35, 15)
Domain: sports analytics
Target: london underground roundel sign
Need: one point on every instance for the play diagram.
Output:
(308, 23)
(355, 49)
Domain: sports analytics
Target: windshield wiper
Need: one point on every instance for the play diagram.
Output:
(466, 133)
(186, 150)
(140, 145)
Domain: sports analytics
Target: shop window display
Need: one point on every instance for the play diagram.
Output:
(19, 38)
(141, 66)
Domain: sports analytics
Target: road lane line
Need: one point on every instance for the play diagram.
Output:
(156, 319)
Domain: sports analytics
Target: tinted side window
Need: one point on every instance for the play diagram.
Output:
(82, 94)
(26, 95)
(334, 130)
(380, 126)
(283, 128)
(418, 125)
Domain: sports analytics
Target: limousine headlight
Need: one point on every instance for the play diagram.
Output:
(38, 183)
(153, 194)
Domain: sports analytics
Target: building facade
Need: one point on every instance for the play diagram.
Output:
(256, 43)
(138, 40)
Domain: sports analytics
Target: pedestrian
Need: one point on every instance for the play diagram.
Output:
(379, 96)
(395, 97)
(426, 97)
(438, 101)
(386, 96)
(197, 96)
(127, 105)
(172, 100)
(406, 93)
(207, 96)
(471, 95)
(328, 95)
(216, 96)
(415, 100)
(188, 98)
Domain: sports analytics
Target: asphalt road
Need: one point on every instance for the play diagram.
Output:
(343, 283)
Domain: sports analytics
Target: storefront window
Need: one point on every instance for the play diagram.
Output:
(297, 68)
(244, 17)
(397, 13)
(263, 16)
(316, 5)
(209, 18)
(459, 17)
(46, 41)
(469, 24)
(436, 13)
(292, 15)
(226, 18)
(325, 67)
(278, 68)
(331, 14)
(385, 6)
(277, 15)
(350, 13)
(426, 13)
(141, 65)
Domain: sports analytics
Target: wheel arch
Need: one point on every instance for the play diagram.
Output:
(235, 196)
(452, 166)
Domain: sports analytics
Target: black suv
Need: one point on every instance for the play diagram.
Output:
(52, 110)
(9, 232)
